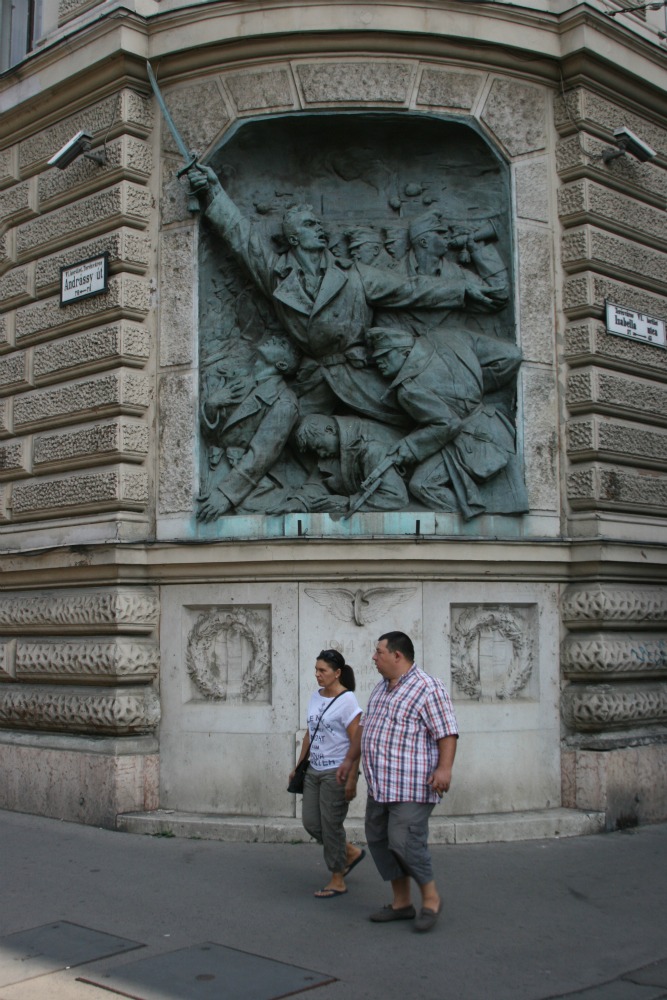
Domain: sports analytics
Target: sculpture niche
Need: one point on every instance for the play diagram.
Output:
(359, 358)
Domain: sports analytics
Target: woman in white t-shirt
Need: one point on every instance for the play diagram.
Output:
(333, 719)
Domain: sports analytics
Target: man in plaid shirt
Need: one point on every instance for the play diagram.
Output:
(407, 742)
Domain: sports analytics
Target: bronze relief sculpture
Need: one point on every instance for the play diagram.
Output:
(360, 356)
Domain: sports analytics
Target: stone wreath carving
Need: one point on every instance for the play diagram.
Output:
(210, 675)
(465, 664)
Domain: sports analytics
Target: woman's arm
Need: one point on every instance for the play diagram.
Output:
(305, 747)
(354, 734)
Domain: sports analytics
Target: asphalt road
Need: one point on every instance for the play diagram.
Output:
(521, 921)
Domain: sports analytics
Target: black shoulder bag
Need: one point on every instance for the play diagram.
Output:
(296, 784)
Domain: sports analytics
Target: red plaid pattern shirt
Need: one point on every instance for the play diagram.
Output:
(401, 727)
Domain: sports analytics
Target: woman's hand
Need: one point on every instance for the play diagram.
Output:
(351, 786)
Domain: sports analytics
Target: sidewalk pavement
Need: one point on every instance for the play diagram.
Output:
(584, 917)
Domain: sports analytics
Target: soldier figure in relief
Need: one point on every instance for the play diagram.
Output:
(325, 304)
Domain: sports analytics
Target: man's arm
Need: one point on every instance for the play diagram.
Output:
(441, 778)
(238, 233)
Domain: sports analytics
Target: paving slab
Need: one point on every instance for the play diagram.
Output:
(208, 971)
(57, 945)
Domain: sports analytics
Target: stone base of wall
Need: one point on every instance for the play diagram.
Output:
(78, 779)
(627, 784)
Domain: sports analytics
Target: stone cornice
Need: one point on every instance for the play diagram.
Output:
(111, 52)
(321, 559)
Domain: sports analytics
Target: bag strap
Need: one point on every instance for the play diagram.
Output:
(322, 716)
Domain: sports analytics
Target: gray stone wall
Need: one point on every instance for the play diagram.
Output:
(614, 247)
(77, 364)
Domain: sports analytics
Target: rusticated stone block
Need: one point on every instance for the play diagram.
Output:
(536, 294)
(87, 660)
(587, 292)
(105, 395)
(4, 504)
(614, 606)
(177, 408)
(108, 347)
(17, 286)
(599, 654)
(449, 89)
(199, 113)
(587, 246)
(126, 156)
(5, 423)
(626, 783)
(617, 489)
(600, 707)
(540, 446)
(7, 249)
(113, 488)
(174, 193)
(7, 659)
(127, 297)
(594, 388)
(516, 114)
(110, 441)
(584, 106)
(14, 373)
(177, 299)
(125, 111)
(124, 246)
(589, 341)
(6, 339)
(118, 711)
(55, 781)
(70, 8)
(14, 460)
(132, 610)
(18, 203)
(584, 200)
(328, 82)
(583, 153)
(608, 440)
(269, 88)
(532, 189)
(7, 168)
(124, 203)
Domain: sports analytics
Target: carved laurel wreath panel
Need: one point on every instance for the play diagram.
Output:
(606, 706)
(248, 626)
(120, 712)
(470, 625)
(103, 661)
(77, 611)
(586, 607)
(608, 653)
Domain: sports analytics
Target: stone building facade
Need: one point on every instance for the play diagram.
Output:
(150, 661)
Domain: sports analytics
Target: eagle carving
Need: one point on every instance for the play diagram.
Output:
(359, 606)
